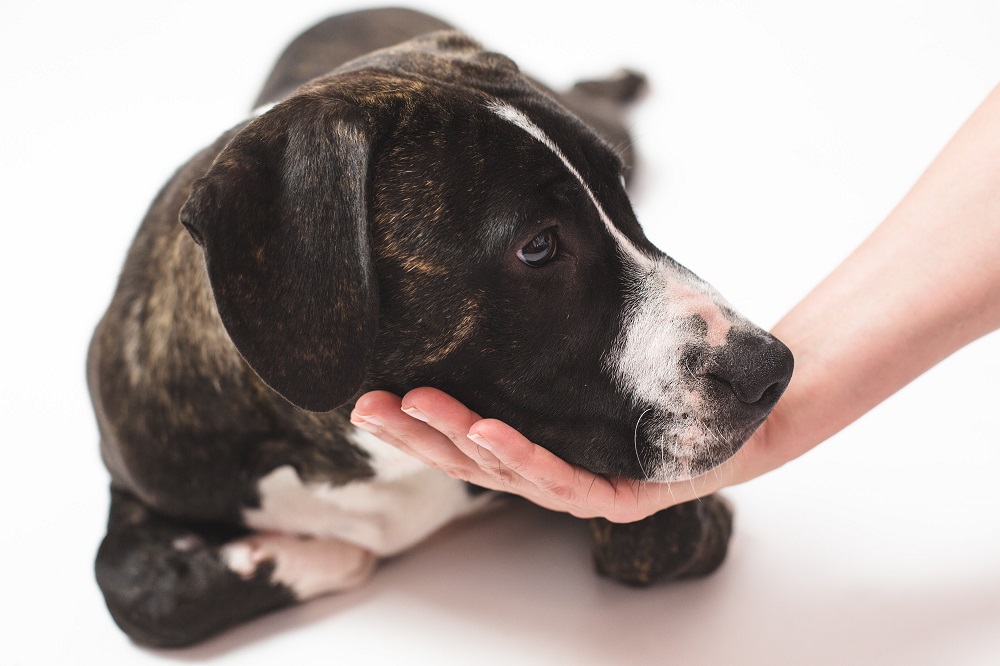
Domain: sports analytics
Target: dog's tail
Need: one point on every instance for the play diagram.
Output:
(603, 104)
(622, 87)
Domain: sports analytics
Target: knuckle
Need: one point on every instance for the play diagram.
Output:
(559, 491)
(516, 464)
(456, 472)
(448, 432)
(505, 476)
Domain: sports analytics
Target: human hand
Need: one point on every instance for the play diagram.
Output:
(445, 434)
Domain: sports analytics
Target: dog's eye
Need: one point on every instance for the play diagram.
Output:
(540, 250)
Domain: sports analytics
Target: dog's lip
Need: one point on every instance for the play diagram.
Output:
(751, 429)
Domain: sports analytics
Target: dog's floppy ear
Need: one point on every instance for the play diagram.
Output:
(281, 216)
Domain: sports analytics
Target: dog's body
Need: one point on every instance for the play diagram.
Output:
(420, 215)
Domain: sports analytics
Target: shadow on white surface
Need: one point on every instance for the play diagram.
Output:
(518, 587)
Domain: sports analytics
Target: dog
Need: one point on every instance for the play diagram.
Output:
(404, 209)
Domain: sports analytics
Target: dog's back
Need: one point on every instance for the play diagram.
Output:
(339, 39)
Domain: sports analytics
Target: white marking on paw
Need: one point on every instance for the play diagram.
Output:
(242, 557)
(187, 543)
(309, 567)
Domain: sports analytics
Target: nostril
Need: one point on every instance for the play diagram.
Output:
(744, 391)
(756, 368)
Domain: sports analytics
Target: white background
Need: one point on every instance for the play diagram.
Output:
(777, 134)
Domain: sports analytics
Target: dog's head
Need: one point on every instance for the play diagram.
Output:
(428, 216)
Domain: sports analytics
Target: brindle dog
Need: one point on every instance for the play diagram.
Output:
(412, 210)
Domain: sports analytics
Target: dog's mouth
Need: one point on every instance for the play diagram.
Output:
(667, 450)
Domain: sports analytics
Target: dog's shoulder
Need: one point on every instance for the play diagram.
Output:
(448, 56)
(171, 391)
(340, 39)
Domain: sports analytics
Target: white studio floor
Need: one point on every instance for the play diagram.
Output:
(777, 134)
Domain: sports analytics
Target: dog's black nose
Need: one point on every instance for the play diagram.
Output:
(756, 366)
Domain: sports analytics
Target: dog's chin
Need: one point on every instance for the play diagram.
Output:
(684, 469)
(698, 452)
(658, 447)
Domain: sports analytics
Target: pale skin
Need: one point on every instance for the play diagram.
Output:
(924, 284)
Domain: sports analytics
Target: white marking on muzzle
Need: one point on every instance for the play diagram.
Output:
(648, 357)
(650, 364)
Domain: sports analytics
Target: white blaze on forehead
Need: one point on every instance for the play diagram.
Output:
(517, 118)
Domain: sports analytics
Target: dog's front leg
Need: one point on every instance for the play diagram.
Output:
(169, 584)
(684, 541)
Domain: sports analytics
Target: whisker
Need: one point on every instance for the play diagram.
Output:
(592, 482)
(694, 490)
(635, 441)
(663, 458)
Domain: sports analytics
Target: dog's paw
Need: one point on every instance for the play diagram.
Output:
(308, 567)
(683, 541)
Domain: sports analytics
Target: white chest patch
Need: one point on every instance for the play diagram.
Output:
(400, 506)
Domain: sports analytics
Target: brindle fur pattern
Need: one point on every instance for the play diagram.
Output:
(188, 428)
(684, 541)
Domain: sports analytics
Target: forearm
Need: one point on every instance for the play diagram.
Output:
(924, 284)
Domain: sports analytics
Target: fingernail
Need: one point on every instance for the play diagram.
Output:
(415, 413)
(367, 427)
(481, 441)
(369, 423)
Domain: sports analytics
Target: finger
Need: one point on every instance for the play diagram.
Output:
(371, 412)
(446, 414)
(451, 419)
(497, 456)
(582, 493)
(379, 413)
(536, 465)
